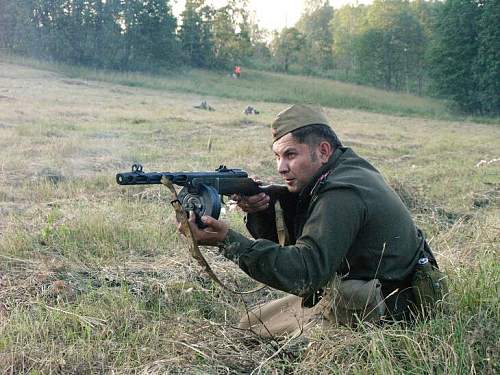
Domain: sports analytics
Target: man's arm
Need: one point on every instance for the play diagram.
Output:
(305, 267)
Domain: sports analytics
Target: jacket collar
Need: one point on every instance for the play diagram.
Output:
(323, 173)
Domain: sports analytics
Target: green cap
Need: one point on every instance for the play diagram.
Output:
(295, 117)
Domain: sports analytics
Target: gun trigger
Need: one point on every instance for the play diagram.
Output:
(222, 199)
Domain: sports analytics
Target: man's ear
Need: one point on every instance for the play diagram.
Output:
(325, 150)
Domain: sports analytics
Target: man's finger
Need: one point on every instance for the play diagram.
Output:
(211, 223)
(236, 197)
(257, 200)
(257, 180)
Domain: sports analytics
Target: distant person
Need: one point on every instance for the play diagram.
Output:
(341, 242)
(237, 71)
(249, 110)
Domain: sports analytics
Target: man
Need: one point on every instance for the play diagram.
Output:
(341, 242)
(237, 71)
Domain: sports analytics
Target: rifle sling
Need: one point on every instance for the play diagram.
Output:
(194, 250)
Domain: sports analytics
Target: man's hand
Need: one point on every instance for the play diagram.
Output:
(253, 203)
(215, 232)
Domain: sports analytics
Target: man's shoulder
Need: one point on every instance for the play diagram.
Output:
(351, 170)
(354, 179)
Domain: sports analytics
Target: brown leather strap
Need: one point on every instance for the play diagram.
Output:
(194, 250)
(280, 223)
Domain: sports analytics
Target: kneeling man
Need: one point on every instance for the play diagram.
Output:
(341, 242)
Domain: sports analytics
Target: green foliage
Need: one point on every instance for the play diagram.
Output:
(149, 34)
(398, 57)
(231, 34)
(465, 55)
(453, 53)
(347, 24)
(195, 33)
(115, 34)
(487, 63)
(318, 36)
(449, 49)
(286, 48)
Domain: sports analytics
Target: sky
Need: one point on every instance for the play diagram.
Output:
(273, 14)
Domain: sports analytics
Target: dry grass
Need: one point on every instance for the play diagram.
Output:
(94, 279)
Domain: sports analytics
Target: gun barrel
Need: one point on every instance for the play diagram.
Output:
(136, 178)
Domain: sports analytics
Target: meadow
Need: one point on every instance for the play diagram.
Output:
(94, 277)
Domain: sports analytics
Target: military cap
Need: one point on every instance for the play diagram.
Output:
(295, 117)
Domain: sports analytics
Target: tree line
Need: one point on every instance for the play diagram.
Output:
(448, 48)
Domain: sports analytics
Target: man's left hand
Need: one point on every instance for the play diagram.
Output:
(215, 232)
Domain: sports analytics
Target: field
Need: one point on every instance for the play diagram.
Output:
(95, 279)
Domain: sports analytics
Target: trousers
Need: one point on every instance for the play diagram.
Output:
(344, 302)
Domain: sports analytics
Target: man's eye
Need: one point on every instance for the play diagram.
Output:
(291, 155)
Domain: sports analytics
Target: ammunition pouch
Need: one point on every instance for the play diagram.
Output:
(428, 283)
(429, 288)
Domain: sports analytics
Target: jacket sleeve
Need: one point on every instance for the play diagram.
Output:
(334, 221)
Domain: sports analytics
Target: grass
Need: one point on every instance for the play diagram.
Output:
(95, 279)
(264, 86)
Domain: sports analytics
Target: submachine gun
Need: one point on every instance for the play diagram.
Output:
(202, 191)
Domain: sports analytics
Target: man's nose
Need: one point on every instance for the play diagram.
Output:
(282, 166)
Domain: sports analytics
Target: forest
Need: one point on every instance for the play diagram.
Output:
(448, 49)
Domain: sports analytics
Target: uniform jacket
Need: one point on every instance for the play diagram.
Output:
(347, 221)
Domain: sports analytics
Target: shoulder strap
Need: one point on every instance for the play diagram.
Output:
(280, 223)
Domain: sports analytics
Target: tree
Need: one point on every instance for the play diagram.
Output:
(107, 34)
(346, 28)
(231, 34)
(487, 62)
(390, 48)
(18, 31)
(315, 26)
(150, 33)
(286, 47)
(453, 53)
(195, 33)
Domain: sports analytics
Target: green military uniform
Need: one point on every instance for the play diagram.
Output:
(346, 222)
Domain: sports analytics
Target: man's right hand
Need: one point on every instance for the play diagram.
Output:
(253, 203)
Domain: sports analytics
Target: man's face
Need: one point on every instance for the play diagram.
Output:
(297, 162)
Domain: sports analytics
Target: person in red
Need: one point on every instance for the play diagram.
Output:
(237, 71)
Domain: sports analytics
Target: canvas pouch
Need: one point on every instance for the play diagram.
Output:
(429, 287)
(349, 302)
